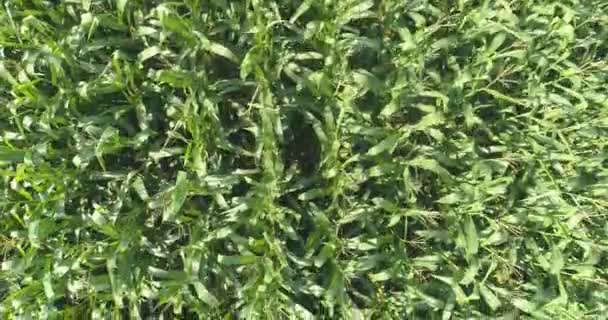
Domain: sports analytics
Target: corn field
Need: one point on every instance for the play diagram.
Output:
(304, 159)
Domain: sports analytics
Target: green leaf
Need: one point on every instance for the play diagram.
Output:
(179, 26)
(504, 97)
(471, 236)
(178, 196)
(429, 120)
(237, 260)
(489, 297)
(216, 48)
(8, 155)
(204, 294)
(557, 260)
(358, 11)
(149, 53)
(33, 232)
(367, 81)
(4, 74)
(304, 6)
(524, 305)
(387, 144)
(461, 297)
(220, 50)
(312, 194)
(497, 41)
(431, 165)
(140, 188)
(121, 5)
(48, 286)
(558, 99)
(175, 78)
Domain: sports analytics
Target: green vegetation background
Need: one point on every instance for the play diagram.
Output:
(335, 159)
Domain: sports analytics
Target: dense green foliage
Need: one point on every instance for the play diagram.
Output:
(315, 159)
